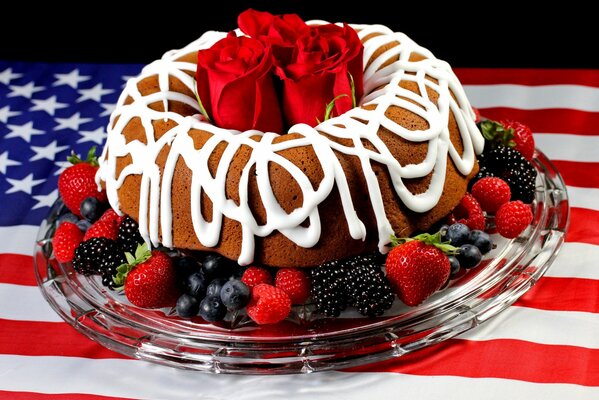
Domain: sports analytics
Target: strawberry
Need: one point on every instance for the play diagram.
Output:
(149, 278)
(105, 228)
(468, 212)
(512, 218)
(295, 283)
(268, 304)
(253, 276)
(523, 139)
(476, 112)
(491, 193)
(66, 239)
(78, 182)
(418, 267)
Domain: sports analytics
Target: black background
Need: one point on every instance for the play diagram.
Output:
(494, 35)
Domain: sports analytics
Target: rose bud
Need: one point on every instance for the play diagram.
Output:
(326, 60)
(235, 85)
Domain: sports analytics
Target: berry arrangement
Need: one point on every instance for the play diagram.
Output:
(97, 241)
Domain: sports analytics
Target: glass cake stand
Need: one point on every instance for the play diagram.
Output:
(306, 342)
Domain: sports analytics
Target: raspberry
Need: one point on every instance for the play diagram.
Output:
(268, 304)
(525, 142)
(512, 218)
(105, 228)
(66, 239)
(111, 215)
(256, 275)
(295, 283)
(469, 213)
(491, 193)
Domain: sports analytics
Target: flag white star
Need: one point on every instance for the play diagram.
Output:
(62, 165)
(49, 105)
(23, 185)
(48, 151)
(108, 109)
(73, 79)
(6, 162)
(7, 75)
(45, 200)
(24, 131)
(5, 113)
(26, 90)
(96, 136)
(94, 93)
(72, 122)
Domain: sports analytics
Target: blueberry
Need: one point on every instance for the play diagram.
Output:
(196, 284)
(68, 217)
(91, 209)
(83, 225)
(454, 265)
(187, 306)
(482, 240)
(235, 294)
(443, 230)
(458, 234)
(469, 256)
(212, 309)
(215, 287)
(186, 266)
(217, 266)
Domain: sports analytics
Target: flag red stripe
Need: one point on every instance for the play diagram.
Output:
(17, 269)
(4, 394)
(584, 226)
(529, 77)
(562, 294)
(554, 120)
(501, 358)
(580, 174)
(28, 338)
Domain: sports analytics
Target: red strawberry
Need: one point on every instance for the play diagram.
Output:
(416, 270)
(78, 182)
(476, 114)
(491, 193)
(108, 229)
(512, 218)
(256, 275)
(268, 304)
(66, 239)
(523, 138)
(295, 283)
(150, 279)
(468, 212)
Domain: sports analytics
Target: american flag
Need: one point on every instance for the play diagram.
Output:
(544, 346)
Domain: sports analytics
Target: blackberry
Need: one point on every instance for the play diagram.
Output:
(369, 290)
(508, 164)
(329, 289)
(98, 255)
(128, 236)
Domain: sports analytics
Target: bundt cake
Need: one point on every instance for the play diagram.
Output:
(397, 163)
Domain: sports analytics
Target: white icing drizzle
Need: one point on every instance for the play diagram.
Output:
(381, 88)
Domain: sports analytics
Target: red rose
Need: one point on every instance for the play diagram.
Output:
(278, 31)
(235, 84)
(324, 58)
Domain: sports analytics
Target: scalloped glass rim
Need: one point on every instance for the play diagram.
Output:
(321, 344)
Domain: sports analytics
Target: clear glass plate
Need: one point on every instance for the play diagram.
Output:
(306, 342)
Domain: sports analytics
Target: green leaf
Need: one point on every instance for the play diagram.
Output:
(427, 238)
(202, 109)
(90, 159)
(130, 258)
(496, 133)
(329, 109)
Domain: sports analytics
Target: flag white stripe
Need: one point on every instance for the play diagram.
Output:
(25, 303)
(584, 197)
(541, 326)
(18, 239)
(576, 260)
(524, 97)
(569, 147)
(140, 380)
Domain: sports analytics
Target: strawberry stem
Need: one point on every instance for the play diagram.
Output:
(142, 254)
(430, 239)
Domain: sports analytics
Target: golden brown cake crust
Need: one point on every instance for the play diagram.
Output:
(335, 240)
